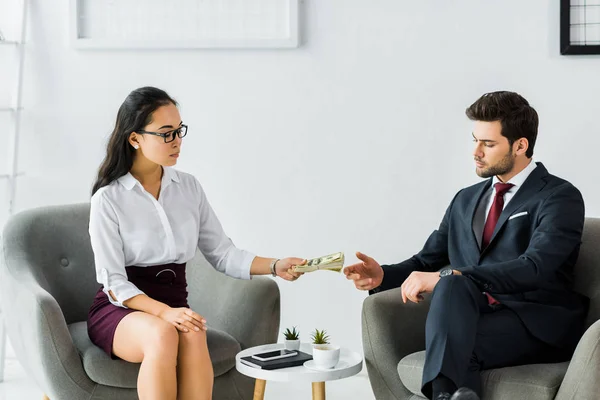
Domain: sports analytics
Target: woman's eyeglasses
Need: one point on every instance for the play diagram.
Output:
(169, 136)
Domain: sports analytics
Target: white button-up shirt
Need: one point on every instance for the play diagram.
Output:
(485, 204)
(129, 227)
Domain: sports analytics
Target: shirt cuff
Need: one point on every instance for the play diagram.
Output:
(122, 294)
(246, 264)
(122, 290)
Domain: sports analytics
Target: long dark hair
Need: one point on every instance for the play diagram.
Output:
(134, 114)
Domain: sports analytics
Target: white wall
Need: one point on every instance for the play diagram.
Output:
(355, 141)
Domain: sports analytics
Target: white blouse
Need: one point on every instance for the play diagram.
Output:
(129, 227)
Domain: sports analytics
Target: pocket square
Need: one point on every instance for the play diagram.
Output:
(518, 215)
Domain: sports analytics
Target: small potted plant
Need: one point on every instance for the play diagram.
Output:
(325, 355)
(292, 339)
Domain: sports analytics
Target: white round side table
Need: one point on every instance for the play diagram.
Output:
(350, 364)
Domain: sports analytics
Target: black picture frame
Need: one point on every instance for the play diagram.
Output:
(566, 48)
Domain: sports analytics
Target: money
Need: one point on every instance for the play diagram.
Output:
(331, 262)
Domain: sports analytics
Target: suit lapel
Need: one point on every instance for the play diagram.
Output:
(472, 209)
(533, 184)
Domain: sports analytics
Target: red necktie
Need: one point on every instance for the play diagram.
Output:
(492, 220)
(494, 214)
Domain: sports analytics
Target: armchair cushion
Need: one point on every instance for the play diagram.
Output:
(118, 373)
(532, 382)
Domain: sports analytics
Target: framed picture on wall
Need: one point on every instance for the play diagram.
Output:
(579, 27)
(193, 24)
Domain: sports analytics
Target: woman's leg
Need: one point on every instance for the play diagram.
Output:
(141, 337)
(194, 369)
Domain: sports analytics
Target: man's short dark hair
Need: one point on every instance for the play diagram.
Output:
(517, 118)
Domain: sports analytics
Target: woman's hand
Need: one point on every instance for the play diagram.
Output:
(183, 319)
(283, 268)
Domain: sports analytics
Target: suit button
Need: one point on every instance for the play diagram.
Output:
(486, 286)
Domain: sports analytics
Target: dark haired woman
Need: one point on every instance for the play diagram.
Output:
(146, 222)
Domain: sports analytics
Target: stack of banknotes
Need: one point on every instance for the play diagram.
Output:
(331, 262)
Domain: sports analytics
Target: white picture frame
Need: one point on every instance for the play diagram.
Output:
(246, 30)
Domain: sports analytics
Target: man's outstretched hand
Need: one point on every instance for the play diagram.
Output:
(366, 274)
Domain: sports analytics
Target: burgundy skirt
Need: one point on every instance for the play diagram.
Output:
(165, 283)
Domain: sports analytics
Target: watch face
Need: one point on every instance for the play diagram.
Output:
(446, 272)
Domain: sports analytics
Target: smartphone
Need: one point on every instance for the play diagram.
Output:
(274, 355)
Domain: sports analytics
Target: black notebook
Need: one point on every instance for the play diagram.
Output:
(294, 361)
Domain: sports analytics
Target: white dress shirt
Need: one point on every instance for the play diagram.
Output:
(129, 227)
(485, 204)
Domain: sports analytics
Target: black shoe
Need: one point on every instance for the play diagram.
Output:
(464, 394)
(443, 396)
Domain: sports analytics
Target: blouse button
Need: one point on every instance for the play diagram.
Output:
(64, 262)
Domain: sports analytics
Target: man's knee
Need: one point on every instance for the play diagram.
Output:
(454, 290)
(453, 283)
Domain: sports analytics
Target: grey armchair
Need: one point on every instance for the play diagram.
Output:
(48, 281)
(394, 339)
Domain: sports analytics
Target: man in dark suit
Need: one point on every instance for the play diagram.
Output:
(500, 266)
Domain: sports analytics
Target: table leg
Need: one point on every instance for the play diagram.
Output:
(318, 389)
(259, 389)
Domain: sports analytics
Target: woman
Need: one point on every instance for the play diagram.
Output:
(146, 221)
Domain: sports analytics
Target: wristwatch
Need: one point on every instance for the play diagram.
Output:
(272, 266)
(446, 271)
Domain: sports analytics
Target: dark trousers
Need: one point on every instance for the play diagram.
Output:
(465, 335)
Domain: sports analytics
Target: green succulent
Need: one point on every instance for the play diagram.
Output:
(291, 335)
(320, 337)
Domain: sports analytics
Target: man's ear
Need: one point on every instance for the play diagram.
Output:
(521, 146)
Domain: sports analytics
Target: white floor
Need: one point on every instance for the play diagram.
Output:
(18, 386)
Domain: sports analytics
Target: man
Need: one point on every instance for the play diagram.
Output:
(506, 248)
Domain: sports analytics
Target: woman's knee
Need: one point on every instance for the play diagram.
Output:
(162, 338)
(193, 350)
(194, 341)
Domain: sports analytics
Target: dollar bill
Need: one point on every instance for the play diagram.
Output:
(331, 262)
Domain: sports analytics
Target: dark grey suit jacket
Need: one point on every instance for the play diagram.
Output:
(528, 265)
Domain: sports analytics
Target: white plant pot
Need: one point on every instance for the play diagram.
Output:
(326, 355)
(292, 344)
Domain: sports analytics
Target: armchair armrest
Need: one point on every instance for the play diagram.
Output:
(248, 310)
(581, 380)
(38, 332)
(391, 330)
